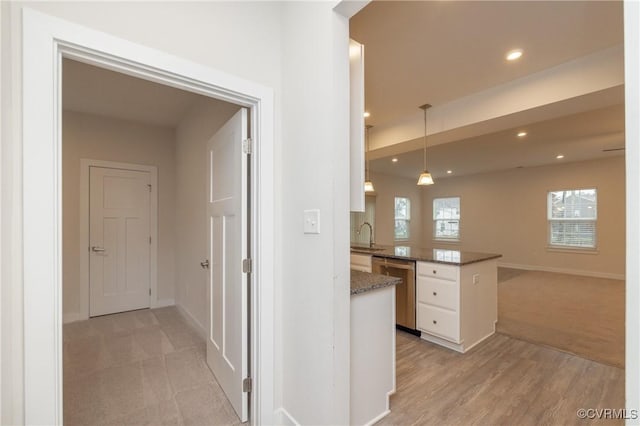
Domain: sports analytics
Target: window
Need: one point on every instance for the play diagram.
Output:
(572, 218)
(402, 251)
(402, 217)
(358, 218)
(446, 218)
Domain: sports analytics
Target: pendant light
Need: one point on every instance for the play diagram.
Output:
(368, 185)
(425, 177)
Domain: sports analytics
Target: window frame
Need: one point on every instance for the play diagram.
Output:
(407, 219)
(572, 248)
(458, 238)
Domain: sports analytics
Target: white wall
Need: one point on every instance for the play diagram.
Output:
(632, 88)
(314, 295)
(101, 138)
(241, 38)
(2, 96)
(11, 199)
(505, 212)
(194, 131)
(387, 188)
(298, 46)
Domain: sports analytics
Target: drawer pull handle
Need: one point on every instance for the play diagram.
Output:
(435, 322)
(435, 272)
(435, 294)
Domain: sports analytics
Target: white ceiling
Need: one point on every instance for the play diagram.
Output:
(578, 137)
(419, 52)
(94, 90)
(440, 51)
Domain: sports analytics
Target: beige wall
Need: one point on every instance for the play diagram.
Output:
(194, 131)
(505, 212)
(387, 188)
(100, 138)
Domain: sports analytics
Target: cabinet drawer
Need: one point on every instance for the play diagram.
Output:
(438, 292)
(435, 270)
(438, 321)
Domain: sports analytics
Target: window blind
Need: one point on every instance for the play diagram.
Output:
(446, 218)
(572, 218)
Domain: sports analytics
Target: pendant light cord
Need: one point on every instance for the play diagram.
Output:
(425, 107)
(425, 139)
(367, 146)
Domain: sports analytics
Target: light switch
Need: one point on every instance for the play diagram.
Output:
(312, 221)
(476, 278)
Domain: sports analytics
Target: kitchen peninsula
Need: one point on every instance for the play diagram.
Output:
(373, 343)
(451, 296)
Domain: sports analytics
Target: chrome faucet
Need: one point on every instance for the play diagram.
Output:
(370, 232)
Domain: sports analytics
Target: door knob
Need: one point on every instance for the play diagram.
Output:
(205, 264)
(97, 249)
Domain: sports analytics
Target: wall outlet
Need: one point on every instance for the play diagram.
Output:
(476, 278)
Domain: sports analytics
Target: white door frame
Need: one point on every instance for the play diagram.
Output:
(46, 40)
(85, 165)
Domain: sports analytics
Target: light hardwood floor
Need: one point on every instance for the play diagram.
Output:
(142, 367)
(504, 381)
(580, 315)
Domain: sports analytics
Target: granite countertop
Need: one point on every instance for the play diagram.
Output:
(362, 282)
(435, 255)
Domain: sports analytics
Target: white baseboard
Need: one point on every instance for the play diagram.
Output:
(76, 316)
(580, 272)
(163, 303)
(71, 317)
(282, 417)
(378, 418)
(193, 321)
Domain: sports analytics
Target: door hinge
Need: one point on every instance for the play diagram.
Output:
(149, 292)
(149, 186)
(149, 239)
(246, 384)
(246, 266)
(247, 146)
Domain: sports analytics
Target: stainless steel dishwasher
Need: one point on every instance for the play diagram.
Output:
(405, 291)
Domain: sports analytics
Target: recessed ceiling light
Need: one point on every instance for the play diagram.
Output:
(522, 134)
(514, 54)
(395, 160)
(560, 157)
(367, 115)
(449, 172)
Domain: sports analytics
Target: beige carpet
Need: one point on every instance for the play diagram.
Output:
(143, 367)
(581, 315)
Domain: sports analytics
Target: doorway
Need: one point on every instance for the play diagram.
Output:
(112, 116)
(43, 351)
(118, 237)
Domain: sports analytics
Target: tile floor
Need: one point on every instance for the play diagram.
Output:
(145, 367)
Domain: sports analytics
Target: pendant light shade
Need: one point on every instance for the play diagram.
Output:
(368, 185)
(425, 177)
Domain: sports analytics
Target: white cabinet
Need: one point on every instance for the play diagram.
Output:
(372, 354)
(361, 262)
(456, 306)
(356, 126)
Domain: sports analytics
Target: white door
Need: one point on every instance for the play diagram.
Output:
(119, 240)
(227, 344)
